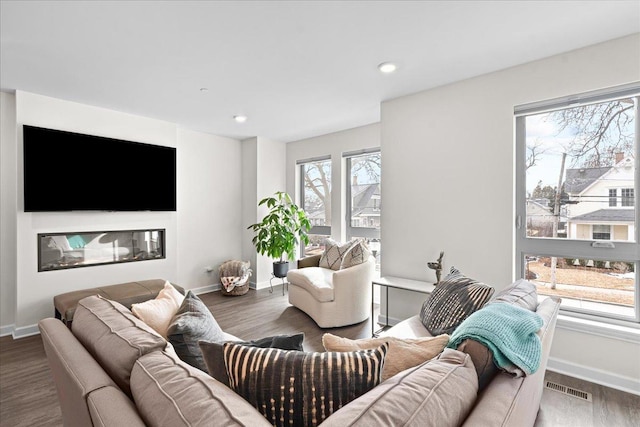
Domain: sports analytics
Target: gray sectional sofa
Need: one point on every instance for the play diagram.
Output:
(111, 369)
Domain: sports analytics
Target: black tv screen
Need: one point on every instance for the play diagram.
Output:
(66, 171)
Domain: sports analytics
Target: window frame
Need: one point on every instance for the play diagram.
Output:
(324, 230)
(593, 232)
(365, 232)
(565, 248)
(613, 200)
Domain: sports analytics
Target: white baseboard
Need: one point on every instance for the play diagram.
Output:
(7, 330)
(607, 379)
(264, 285)
(205, 289)
(25, 331)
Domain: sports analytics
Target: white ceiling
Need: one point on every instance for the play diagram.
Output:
(296, 68)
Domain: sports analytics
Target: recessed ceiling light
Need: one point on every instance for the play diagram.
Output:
(387, 67)
(240, 119)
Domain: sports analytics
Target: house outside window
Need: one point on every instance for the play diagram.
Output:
(364, 203)
(627, 197)
(581, 155)
(315, 199)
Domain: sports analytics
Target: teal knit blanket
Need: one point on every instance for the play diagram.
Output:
(508, 331)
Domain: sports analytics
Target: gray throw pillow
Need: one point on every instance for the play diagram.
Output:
(192, 323)
(521, 293)
(214, 356)
(454, 299)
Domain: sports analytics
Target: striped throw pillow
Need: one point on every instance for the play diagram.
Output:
(454, 299)
(301, 388)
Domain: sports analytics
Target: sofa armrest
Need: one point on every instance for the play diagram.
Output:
(354, 282)
(310, 261)
(109, 406)
(75, 372)
(514, 402)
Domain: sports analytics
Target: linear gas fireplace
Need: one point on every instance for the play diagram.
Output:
(57, 251)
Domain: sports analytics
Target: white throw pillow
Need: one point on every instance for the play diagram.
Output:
(158, 312)
(358, 253)
(334, 253)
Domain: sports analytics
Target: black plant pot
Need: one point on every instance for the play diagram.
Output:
(280, 268)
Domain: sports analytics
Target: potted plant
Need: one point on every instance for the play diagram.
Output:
(278, 233)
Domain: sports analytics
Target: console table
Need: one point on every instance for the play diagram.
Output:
(396, 283)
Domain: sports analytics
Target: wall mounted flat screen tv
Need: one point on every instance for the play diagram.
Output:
(66, 171)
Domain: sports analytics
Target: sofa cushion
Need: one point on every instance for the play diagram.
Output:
(454, 299)
(521, 293)
(334, 253)
(407, 328)
(315, 280)
(169, 392)
(301, 388)
(213, 353)
(193, 322)
(440, 392)
(125, 293)
(404, 353)
(159, 311)
(357, 254)
(114, 337)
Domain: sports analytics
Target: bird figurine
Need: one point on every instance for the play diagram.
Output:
(437, 266)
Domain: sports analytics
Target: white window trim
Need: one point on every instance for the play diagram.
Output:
(625, 331)
(350, 231)
(322, 230)
(624, 251)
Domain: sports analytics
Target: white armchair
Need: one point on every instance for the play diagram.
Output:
(332, 298)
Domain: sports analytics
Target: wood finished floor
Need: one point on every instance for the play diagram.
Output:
(28, 397)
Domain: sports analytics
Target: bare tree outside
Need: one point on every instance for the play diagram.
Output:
(600, 131)
(579, 173)
(317, 194)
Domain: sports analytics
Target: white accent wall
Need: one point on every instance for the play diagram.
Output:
(8, 210)
(264, 160)
(448, 181)
(209, 198)
(202, 232)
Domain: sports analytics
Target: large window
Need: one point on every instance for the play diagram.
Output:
(315, 185)
(577, 236)
(363, 198)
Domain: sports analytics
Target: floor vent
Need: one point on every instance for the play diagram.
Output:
(569, 391)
